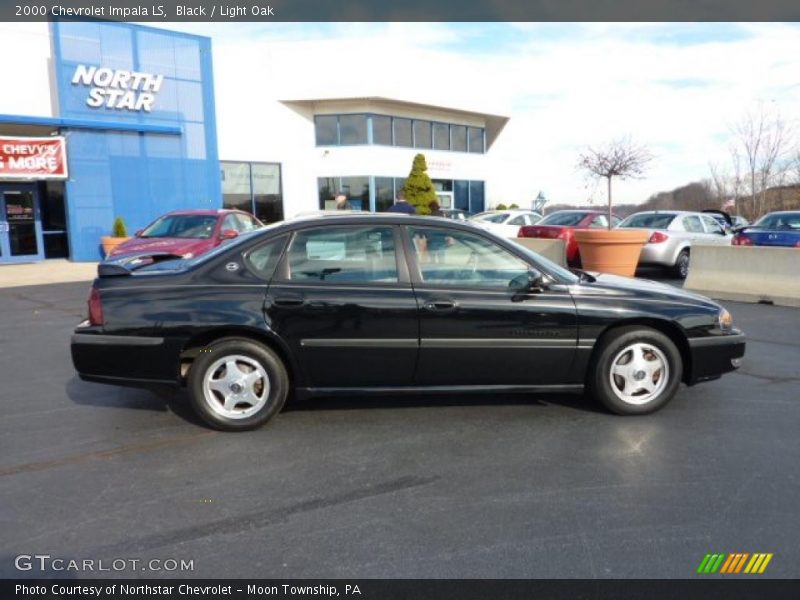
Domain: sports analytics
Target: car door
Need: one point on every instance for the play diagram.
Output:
(715, 234)
(342, 301)
(474, 330)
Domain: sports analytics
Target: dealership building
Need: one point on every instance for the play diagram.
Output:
(118, 120)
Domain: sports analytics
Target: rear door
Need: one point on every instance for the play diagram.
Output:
(474, 330)
(342, 300)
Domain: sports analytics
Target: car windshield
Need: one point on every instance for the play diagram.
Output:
(563, 218)
(182, 226)
(648, 220)
(780, 221)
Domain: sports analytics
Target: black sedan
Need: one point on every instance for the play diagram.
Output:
(363, 303)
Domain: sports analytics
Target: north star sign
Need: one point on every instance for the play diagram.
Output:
(118, 88)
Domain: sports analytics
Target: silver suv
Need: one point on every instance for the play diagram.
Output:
(672, 234)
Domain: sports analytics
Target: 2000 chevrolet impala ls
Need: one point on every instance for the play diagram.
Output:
(388, 303)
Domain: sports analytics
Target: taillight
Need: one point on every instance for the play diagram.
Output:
(741, 240)
(95, 308)
(657, 238)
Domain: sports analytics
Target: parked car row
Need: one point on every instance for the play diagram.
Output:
(671, 233)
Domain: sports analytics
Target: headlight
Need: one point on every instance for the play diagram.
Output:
(725, 320)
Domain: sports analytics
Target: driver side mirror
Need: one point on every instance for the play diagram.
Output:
(228, 234)
(532, 282)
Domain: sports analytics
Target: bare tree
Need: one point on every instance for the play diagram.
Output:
(720, 182)
(620, 158)
(762, 135)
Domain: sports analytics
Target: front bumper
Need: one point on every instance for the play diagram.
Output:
(715, 355)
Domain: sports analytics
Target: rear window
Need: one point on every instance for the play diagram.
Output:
(648, 221)
(563, 218)
(779, 221)
(491, 217)
(182, 226)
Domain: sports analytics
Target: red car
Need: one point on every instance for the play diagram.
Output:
(561, 224)
(188, 233)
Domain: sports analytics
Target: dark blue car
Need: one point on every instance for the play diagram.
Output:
(780, 228)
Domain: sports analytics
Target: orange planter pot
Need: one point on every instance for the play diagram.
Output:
(611, 251)
(110, 242)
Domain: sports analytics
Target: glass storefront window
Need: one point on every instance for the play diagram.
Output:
(402, 132)
(441, 136)
(352, 129)
(422, 134)
(458, 138)
(381, 130)
(384, 193)
(356, 189)
(475, 138)
(476, 202)
(326, 128)
(267, 197)
(254, 188)
(461, 194)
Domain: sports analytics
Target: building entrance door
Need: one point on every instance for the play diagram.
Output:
(20, 223)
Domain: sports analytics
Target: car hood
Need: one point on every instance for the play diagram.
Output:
(178, 246)
(616, 285)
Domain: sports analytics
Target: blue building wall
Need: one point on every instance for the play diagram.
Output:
(143, 173)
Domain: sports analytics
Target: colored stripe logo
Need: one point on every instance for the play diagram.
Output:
(733, 563)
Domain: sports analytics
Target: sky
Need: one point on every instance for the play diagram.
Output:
(676, 88)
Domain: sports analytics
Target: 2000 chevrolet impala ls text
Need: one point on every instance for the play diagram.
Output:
(389, 303)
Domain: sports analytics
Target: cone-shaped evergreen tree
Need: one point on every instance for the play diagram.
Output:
(419, 188)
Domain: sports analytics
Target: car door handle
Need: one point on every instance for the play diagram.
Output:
(440, 305)
(289, 301)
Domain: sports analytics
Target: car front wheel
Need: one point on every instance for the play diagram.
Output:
(237, 384)
(636, 370)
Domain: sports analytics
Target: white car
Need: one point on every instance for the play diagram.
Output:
(506, 222)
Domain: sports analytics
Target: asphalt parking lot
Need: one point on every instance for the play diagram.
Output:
(472, 487)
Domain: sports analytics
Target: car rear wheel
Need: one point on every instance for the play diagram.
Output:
(681, 268)
(635, 371)
(237, 384)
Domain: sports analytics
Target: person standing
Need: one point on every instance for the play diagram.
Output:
(401, 205)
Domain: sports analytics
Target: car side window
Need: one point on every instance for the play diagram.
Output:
(693, 225)
(615, 220)
(520, 220)
(246, 223)
(712, 226)
(599, 222)
(462, 259)
(333, 255)
(263, 259)
(230, 222)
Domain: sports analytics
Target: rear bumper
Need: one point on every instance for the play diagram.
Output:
(715, 355)
(125, 359)
(658, 254)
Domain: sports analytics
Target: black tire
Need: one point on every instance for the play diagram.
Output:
(681, 267)
(259, 403)
(612, 349)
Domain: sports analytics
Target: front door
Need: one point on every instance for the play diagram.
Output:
(474, 329)
(20, 224)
